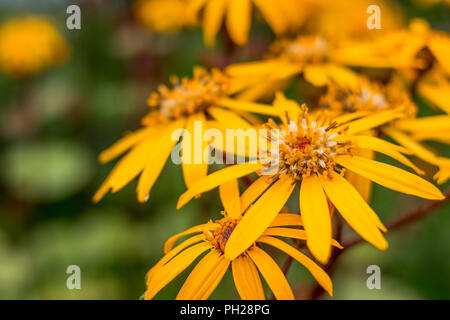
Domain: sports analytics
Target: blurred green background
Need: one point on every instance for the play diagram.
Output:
(54, 125)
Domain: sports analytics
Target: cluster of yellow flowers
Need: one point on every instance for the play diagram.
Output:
(30, 44)
(326, 150)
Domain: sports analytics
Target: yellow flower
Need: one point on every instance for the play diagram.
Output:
(212, 237)
(279, 14)
(348, 19)
(362, 95)
(320, 61)
(168, 15)
(30, 44)
(203, 98)
(366, 97)
(313, 155)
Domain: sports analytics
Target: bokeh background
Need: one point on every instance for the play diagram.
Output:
(53, 126)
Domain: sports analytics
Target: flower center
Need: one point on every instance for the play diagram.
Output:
(188, 96)
(367, 97)
(223, 233)
(301, 50)
(308, 147)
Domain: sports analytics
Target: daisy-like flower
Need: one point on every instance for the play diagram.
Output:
(281, 15)
(160, 16)
(313, 154)
(212, 238)
(30, 44)
(365, 97)
(319, 61)
(203, 98)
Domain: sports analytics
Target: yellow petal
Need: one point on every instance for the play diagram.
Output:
(271, 273)
(354, 209)
(284, 105)
(434, 88)
(172, 253)
(262, 90)
(254, 191)
(126, 169)
(199, 228)
(350, 116)
(238, 20)
(126, 143)
(384, 147)
(317, 272)
(259, 217)
(444, 171)
(228, 119)
(212, 20)
(316, 217)
(246, 279)
(373, 121)
(361, 184)
(418, 150)
(273, 15)
(194, 168)
(217, 178)
(156, 159)
(287, 219)
(316, 74)
(229, 195)
(391, 177)
(248, 106)
(441, 122)
(254, 68)
(440, 136)
(205, 277)
(440, 47)
(162, 276)
(293, 234)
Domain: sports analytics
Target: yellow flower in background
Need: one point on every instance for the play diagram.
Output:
(313, 155)
(30, 44)
(348, 19)
(203, 98)
(366, 97)
(281, 15)
(320, 61)
(212, 238)
(167, 15)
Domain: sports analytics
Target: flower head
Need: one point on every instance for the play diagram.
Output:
(187, 96)
(313, 154)
(168, 15)
(309, 146)
(303, 49)
(205, 99)
(213, 237)
(30, 44)
(367, 96)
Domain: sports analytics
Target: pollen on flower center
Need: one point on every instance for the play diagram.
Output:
(188, 95)
(366, 97)
(221, 235)
(308, 147)
(302, 49)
